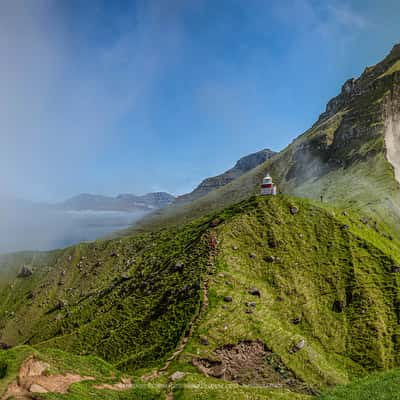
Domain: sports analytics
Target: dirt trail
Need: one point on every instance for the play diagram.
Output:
(213, 244)
(32, 379)
(125, 384)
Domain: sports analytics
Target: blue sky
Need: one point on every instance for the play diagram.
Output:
(137, 96)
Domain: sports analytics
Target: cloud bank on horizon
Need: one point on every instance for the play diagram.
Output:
(138, 96)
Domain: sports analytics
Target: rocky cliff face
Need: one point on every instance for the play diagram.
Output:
(348, 157)
(242, 166)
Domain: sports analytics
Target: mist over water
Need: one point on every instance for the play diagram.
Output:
(35, 227)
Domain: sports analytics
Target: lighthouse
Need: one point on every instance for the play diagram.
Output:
(267, 186)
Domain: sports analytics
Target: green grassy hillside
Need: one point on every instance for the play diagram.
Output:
(128, 301)
(324, 277)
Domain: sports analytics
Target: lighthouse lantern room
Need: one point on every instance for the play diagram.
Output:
(267, 186)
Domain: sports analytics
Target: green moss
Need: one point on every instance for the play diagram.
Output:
(379, 386)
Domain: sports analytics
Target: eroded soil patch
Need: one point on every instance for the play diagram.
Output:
(250, 363)
(33, 379)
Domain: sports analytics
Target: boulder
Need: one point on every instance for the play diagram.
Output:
(4, 346)
(228, 299)
(25, 272)
(254, 292)
(204, 341)
(176, 376)
(338, 306)
(270, 259)
(178, 267)
(298, 346)
(294, 210)
(252, 255)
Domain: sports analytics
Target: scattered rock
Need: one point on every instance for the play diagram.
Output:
(298, 346)
(270, 259)
(35, 388)
(249, 311)
(345, 227)
(4, 346)
(25, 272)
(178, 267)
(176, 376)
(204, 341)
(254, 292)
(215, 222)
(235, 247)
(60, 305)
(396, 268)
(252, 255)
(296, 320)
(364, 220)
(338, 306)
(273, 243)
(294, 210)
(125, 277)
(228, 299)
(344, 213)
(114, 254)
(250, 304)
(63, 272)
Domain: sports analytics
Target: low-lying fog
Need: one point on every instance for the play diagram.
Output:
(26, 226)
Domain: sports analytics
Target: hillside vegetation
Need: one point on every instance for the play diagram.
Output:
(315, 287)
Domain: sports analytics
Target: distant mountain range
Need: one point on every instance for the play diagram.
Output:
(122, 202)
(158, 200)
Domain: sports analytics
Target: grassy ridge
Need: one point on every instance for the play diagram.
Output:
(124, 300)
(130, 300)
(321, 259)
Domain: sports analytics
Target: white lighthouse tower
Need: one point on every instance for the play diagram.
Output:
(267, 186)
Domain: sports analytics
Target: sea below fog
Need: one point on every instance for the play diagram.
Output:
(43, 229)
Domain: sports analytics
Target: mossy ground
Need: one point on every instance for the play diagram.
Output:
(378, 386)
(320, 257)
(126, 300)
